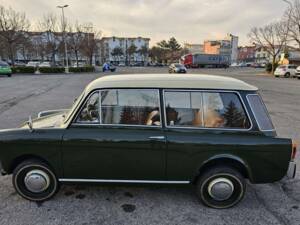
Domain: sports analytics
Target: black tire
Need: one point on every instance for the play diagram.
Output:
(35, 167)
(217, 175)
(9, 75)
(287, 75)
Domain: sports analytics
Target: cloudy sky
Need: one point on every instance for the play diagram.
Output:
(188, 20)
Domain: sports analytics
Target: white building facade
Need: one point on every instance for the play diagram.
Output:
(125, 55)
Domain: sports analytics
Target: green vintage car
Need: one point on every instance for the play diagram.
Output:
(5, 69)
(210, 131)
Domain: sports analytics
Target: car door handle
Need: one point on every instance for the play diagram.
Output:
(157, 138)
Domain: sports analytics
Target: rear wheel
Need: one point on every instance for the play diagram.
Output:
(221, 187)
(35, 181)
(287, 75)
(9, 75)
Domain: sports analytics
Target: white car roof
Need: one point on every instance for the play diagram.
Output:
(187, 81)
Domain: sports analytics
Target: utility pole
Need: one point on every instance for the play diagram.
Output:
(64, 35)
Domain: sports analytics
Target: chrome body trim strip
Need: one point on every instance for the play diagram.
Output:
(124, 181)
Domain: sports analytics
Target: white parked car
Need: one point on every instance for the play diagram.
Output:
(298, 72)
(285, 71)
(234, 65)
(79, 64)
(32, 64)
(45, 64)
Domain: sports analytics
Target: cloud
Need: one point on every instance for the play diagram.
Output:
(188, 20)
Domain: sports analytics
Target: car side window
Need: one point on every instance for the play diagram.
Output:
(183, 108)
(90, 111)
(130, 107)
(224, 110)
(260, 112)
(205, 110)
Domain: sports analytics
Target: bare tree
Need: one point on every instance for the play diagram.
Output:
(89, 45)
(50, 27)
(292, 19)
(272, 37)
(76, 38)
(13, 26)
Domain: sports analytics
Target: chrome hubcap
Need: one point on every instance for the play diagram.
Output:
(220, 189)
(37, 181)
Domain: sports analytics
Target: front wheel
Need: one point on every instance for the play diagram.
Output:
(221, 187)
(287, 75)
(35, 181)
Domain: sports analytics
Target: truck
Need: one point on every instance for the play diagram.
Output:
(205, 60)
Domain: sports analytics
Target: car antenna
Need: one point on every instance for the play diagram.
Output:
(29, 123)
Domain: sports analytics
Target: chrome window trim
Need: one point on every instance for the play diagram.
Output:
(207, 128)
(123, 181)
(117, 125)
(259, 127)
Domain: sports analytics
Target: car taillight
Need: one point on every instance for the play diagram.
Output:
(294, 149)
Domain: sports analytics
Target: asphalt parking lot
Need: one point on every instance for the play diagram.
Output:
(278, 203)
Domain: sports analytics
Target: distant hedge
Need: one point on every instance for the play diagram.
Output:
(81, 69)
(23, 69)
(52, 70)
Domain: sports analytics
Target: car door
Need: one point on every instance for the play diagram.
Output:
(116, 136)
(200, 125)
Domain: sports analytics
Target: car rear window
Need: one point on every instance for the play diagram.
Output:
(260, 112)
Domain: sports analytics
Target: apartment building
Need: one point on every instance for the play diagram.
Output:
(226, 46)
(246, 54)
(194, 48)
(124, 50)
(49, 46)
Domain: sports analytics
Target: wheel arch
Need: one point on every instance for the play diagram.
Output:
(19, 159)
(232, 161)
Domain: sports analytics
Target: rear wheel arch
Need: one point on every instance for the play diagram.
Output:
(225, 160)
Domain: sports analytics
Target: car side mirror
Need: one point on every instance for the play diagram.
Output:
(29, 123)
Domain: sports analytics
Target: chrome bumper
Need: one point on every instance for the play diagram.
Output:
(291, 173)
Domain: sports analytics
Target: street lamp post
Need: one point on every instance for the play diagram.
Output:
(88, 29)
(64, 35)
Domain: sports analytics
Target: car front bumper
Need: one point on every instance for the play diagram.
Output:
(279, 74)
(291, 173)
